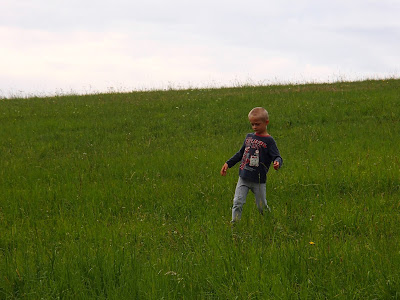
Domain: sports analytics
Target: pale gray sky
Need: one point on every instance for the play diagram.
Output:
(57, 47)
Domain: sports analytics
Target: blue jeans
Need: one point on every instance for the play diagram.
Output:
(242, 188)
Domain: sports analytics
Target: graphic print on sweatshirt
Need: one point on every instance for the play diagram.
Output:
(251, 155)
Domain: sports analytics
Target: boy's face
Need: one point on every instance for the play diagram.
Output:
(258, 124)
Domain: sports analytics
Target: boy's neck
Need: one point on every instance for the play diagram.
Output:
(265, 133)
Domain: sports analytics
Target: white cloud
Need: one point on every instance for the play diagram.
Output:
(60, 45)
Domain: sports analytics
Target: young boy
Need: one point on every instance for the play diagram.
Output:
(258, 151)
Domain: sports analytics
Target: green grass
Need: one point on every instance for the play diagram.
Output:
(119, 195)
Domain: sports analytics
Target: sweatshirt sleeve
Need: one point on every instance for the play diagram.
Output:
(275, 155)
(236, 158)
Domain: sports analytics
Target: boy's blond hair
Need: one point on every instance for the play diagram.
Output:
(260, 113)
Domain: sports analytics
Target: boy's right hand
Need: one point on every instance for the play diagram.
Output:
(223, 169)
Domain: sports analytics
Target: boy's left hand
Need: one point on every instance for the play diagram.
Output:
(276, 165)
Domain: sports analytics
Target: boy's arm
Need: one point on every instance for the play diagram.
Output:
(236, 158)
(274, 152)
(233, 160)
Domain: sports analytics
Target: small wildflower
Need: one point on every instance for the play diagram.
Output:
(171, 273)
(311, 243)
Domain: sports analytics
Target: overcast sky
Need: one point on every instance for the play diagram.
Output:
(84, 46)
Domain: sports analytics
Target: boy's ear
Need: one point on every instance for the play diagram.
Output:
(267, 122)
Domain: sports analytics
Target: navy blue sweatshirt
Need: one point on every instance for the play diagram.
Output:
(256, 156)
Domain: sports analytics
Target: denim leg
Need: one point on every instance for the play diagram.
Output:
(259, 190)
(239, 200)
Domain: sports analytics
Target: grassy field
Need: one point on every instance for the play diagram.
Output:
(119, 196)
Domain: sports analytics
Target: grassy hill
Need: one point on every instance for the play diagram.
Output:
(119, 195)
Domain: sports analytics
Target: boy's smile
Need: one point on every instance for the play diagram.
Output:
(258, 125)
